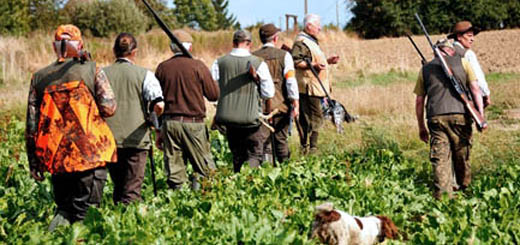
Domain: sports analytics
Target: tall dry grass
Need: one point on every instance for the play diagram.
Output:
(498, 51)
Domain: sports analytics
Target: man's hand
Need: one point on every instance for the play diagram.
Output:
(332, 60)
(487, 101)
(37, 174)
(158, 108)
(159, 141)
(424, 135)
(318, 67)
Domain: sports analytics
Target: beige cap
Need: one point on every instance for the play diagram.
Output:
(444, 43)
(183, 36)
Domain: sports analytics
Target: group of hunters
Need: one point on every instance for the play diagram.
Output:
(83, 120)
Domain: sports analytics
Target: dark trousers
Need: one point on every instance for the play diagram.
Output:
(311, 120)
(75, 192)
(128, 174)
(281, 134)
(246, 146)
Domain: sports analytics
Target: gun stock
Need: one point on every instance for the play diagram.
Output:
(165, 28)
(469, 105)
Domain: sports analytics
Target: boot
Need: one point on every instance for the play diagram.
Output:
(313, 143)
(195, 182)
(60, 219)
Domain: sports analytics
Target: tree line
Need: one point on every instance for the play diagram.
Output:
(104, 17)
(390, 18)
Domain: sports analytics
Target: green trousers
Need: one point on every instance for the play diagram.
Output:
(450, 144)
(311, 120)
(184, 141)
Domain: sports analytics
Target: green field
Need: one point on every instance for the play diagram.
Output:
(377, 167)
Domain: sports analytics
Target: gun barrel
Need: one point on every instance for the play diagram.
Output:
(423, 60)
(167, 30)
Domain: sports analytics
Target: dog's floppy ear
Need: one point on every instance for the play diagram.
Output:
(388, 228)
(325, 213)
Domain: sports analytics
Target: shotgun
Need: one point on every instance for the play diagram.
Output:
(165, 28)
(423, 60)
(469, 105)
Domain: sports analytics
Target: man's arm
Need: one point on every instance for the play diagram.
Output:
(473, 86)
(266, 81)
(31, 130)
(482, 83)
(419, 113)
(210, 87)
(104, 95)
(291, 84)
(152, 93)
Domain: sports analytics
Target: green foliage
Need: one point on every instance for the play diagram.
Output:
(270, 205)
(208, 15)
(161, 8)
(103, 18)
(376, 18)
(15, 17)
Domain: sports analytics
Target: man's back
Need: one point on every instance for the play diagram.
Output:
(185, 83)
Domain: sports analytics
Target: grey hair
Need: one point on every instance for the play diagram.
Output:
(311, 18)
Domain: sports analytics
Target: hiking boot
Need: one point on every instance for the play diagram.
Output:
(195, 182)
(60, 219)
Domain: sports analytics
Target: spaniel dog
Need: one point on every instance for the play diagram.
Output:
(333, 226)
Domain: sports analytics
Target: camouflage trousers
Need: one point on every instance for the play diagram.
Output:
(450, 144)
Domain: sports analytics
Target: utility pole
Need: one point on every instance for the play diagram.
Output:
(306, 8)
(337, 14)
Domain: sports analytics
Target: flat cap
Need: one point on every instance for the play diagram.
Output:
(267, 31)
(444, 43)
(241, 36)
(183, 36)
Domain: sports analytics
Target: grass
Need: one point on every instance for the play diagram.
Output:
(378, 166)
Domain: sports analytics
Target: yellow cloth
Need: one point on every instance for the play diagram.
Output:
(419, 86)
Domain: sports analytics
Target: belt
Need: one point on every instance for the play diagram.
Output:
(186, 119)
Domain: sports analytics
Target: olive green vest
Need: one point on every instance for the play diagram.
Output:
(275, 60)
(129, 122)
(239, 102)
(442, 97)
(70, 70)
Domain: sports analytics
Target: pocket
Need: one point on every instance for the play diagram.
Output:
(98, 182)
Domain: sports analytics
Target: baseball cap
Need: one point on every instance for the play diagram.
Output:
(444, 43)
(68, 32)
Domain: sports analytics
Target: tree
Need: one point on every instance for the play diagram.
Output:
(46, 14)
(105, 17)
(224, 19)
(208, 15)
(15, 18)
(377, 18)
(161, 8)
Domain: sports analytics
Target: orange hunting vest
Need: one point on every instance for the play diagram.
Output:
(72, 135)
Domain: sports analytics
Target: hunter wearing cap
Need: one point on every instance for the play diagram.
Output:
(66, 134)
(184, 135)
(306, 46)
(464, 35)
(137, 93)
(239, 105)
(449, 127)
(286, 96)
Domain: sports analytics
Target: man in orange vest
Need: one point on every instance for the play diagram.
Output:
(66, 134)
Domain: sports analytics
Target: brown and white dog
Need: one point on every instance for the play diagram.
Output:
(336, 227)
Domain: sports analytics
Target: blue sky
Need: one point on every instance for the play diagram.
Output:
(249, 12)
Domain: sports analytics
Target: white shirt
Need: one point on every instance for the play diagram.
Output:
(481, 78)
(289, 74)
(266, 81)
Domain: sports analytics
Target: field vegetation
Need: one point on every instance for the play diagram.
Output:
(378, 166)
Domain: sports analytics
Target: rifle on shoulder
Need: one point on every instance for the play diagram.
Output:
(464, 97)
(423, 60)
(165, 28)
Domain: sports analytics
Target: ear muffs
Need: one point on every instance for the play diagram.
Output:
(67, 49)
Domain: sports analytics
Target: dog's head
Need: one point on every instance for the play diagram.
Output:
(388, 229)
(323, 217)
